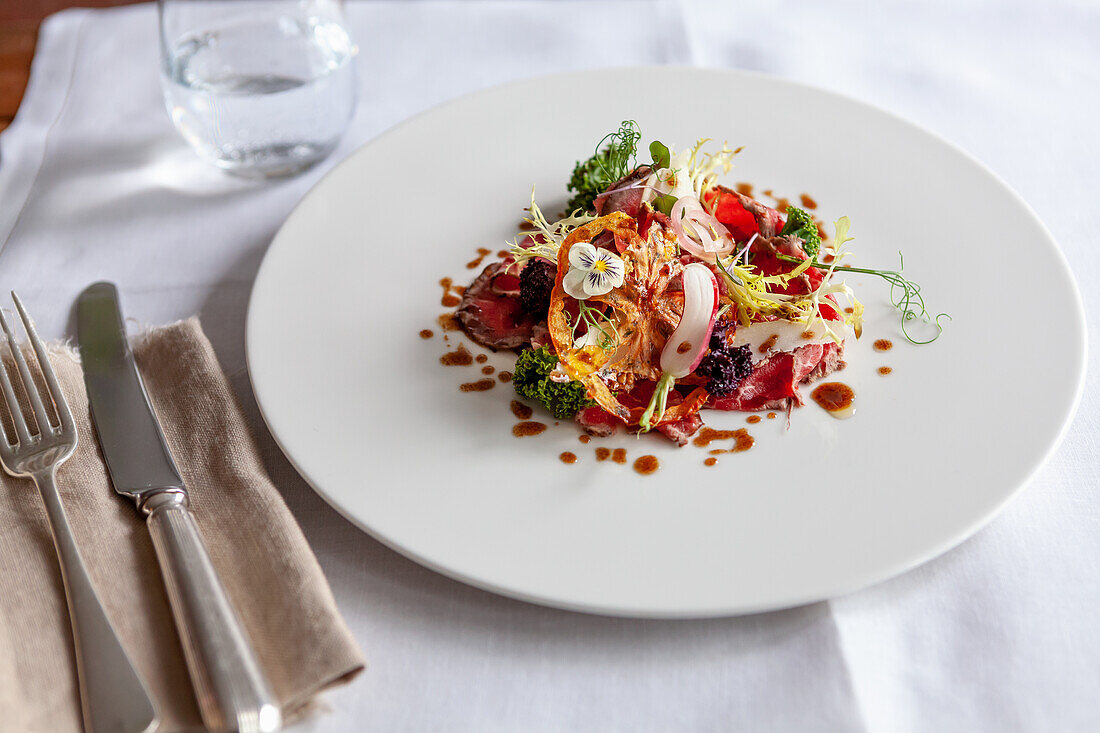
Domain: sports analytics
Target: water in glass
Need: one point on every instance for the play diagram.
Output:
(262, 96)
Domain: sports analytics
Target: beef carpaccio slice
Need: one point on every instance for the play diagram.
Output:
(773, 383)
(598, 422)
(491, 312)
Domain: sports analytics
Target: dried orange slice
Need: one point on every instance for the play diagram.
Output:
(643, 312)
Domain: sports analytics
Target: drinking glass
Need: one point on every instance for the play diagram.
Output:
(261, 88)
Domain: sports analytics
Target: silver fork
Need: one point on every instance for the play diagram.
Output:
(112, 696)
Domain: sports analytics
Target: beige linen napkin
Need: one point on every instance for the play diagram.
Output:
(263, 559)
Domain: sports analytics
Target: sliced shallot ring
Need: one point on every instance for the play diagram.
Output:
(698, 232)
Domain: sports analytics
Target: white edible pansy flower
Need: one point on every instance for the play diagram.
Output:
(592, 271)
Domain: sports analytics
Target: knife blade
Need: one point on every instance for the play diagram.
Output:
(230, 687)
(138, 459)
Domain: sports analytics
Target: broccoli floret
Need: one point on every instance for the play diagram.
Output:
(530, 377)
(536, 280)
(725, 366)
(588, 181)
(801, 223)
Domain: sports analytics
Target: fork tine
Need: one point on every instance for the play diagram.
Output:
(64, 414)
(23, 435)
(28, 382)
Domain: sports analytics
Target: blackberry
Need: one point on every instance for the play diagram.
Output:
(725, 367)
(719, 337)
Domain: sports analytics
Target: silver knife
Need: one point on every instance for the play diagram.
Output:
(232, 692)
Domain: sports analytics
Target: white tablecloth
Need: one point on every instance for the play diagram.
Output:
(1000, 634)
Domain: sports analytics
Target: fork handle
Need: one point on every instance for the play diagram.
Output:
(112, 695)
(230, 687)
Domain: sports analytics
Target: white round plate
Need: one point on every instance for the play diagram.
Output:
(362, 406)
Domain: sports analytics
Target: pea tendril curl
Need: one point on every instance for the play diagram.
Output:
(597, 320)
(904, 294)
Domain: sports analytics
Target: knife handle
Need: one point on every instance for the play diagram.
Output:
(231, 690)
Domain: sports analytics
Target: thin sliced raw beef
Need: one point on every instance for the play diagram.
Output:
(680, 432)
(597, 421)
(775, 380)
(768, 220)
(491, 312)
(625, 195)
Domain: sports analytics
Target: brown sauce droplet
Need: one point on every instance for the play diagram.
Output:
(836, 398)
(752, 419)
(602, 454)
(505, 377)
(708, 435)
(448, 322)
(488, 369)
(479, 386)
(520, 410)
(526, 226)
(742, 440)
(710, 461)
(849, 309)
(745, 189)
(482, 253)
(426, 333)
(884, 370)
(450, 298)
(584, 439)
(884, 345)
(503, 253)
(525, 429)
(771, 415)
(807, 201)
(808, 335)
(768, 343)
(684, 347)
(821, 232)
(568, 457)
(481, 358)
(828, 258)
(646, 465)
(458, 357)
(619, 455)
(781, 204)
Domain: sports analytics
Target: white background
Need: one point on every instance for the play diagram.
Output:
(1002, 633)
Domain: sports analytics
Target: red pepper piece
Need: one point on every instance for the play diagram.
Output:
(736, 218)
